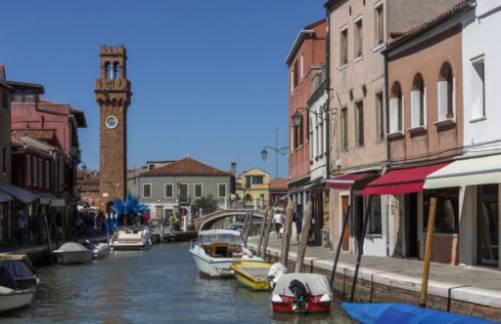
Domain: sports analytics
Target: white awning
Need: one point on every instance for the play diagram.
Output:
(24, 195)
(4, 197)
(466, 172)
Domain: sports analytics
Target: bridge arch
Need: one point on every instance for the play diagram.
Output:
(205, 222)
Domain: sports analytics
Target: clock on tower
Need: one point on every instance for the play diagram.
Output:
(113, 94)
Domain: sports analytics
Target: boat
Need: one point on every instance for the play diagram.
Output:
(404, 313)
(252, 274)
(136, 238)
(215, 251)
(73, 253)
(101, 250)
(11, 299)
(302, 293)
(17, 275)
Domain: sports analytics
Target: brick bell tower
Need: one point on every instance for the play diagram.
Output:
(113, 93)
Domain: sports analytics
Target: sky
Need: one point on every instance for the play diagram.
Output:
(209, 78)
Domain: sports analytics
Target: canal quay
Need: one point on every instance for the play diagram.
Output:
(161, 285)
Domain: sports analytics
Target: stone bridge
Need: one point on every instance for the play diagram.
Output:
(205, 222)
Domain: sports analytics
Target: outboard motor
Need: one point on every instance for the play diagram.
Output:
(301, 296)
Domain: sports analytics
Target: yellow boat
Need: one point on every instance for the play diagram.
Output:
(252, 274)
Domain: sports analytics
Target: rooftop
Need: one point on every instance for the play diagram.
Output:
(188, 167)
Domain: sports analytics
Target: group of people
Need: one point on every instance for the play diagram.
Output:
(37, 228)
(297, 219)
(87, 223)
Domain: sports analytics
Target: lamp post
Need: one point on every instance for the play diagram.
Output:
(278, 150)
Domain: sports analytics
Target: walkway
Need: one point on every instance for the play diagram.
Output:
(473, 285)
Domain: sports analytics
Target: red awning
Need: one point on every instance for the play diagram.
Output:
(345, 182)
(401, 181)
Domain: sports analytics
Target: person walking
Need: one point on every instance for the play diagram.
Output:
(277, 220)
(298, 220)
(20, 228)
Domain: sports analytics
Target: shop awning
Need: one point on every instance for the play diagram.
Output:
(401, 181)
(51, 200)
(24, 195)
(467, 172)
(346, 181)
(4, 197)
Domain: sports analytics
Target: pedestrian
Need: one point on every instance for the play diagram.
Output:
(20, 227)
(78, 224)
(298, 221)
(277, 220)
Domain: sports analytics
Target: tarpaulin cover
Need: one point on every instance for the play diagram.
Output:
(13, 274)
(401, 181)
(404, 313)
(316, 283)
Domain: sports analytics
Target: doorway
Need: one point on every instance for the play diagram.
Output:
(345, 201)
(411, 221)
(487, 226)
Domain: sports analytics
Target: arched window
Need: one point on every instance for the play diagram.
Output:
(108, 71)
(418, 102)
(445, 93)
(116, 71)
(396, 105)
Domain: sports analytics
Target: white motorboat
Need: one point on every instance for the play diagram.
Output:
(101, 250)
(73, 253)
(138, 238)
(215, 250)
(11, 299)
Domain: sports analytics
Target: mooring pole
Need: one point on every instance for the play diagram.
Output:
(346, 219)
(261, 235)
(361, 247)
(286, 238)
(427, 252)
(267, 230)
(305, 231)
(247, 226)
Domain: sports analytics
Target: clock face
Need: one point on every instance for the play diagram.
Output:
(111, 122)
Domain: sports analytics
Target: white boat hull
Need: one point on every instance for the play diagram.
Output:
(212, 267)
(74, 257)
(15, 299)
(118, 245)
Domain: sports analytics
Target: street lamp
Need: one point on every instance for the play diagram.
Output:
(278, 150)
(297, 118)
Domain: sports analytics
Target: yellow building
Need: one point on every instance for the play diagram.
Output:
(253, 188)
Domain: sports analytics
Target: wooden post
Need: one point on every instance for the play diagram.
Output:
(427, 252)
(261, 236)
(286, 238)
(247, 227)
(340, 244)
(267, 230)
(361, 247)
(305, 229)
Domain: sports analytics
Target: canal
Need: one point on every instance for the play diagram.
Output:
(155, 286)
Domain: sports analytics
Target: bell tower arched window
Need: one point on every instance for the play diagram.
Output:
(116, 71)
(108, 71)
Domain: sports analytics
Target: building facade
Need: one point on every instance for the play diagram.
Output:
(278, 192)
(178, 185)
(304, 61)
(253, 188)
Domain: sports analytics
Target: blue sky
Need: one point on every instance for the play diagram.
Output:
(208, 77)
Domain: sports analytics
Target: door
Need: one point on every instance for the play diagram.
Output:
(411, 214)
(346, 233)
(487, 226)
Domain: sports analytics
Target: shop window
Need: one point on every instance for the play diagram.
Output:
(447, 211)
(375, 217)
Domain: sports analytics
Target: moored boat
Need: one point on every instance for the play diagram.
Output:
(215, 250)
(404, 313)
(11, 299)
(302, 293)
(17, 275)
(252, 274)
(136, 238)
(73, 253)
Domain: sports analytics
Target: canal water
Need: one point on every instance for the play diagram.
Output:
(161, 285)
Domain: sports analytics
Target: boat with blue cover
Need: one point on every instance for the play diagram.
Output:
(405, 313)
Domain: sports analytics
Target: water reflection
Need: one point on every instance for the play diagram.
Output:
(160, 285)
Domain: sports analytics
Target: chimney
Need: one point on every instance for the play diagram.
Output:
(233, 169)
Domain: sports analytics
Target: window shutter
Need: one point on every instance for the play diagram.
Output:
(415, 108)
(442, 100)
(393, 115)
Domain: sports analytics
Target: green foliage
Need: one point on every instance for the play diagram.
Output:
(208, 205)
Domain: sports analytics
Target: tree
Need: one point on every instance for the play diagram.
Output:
(208, 205)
